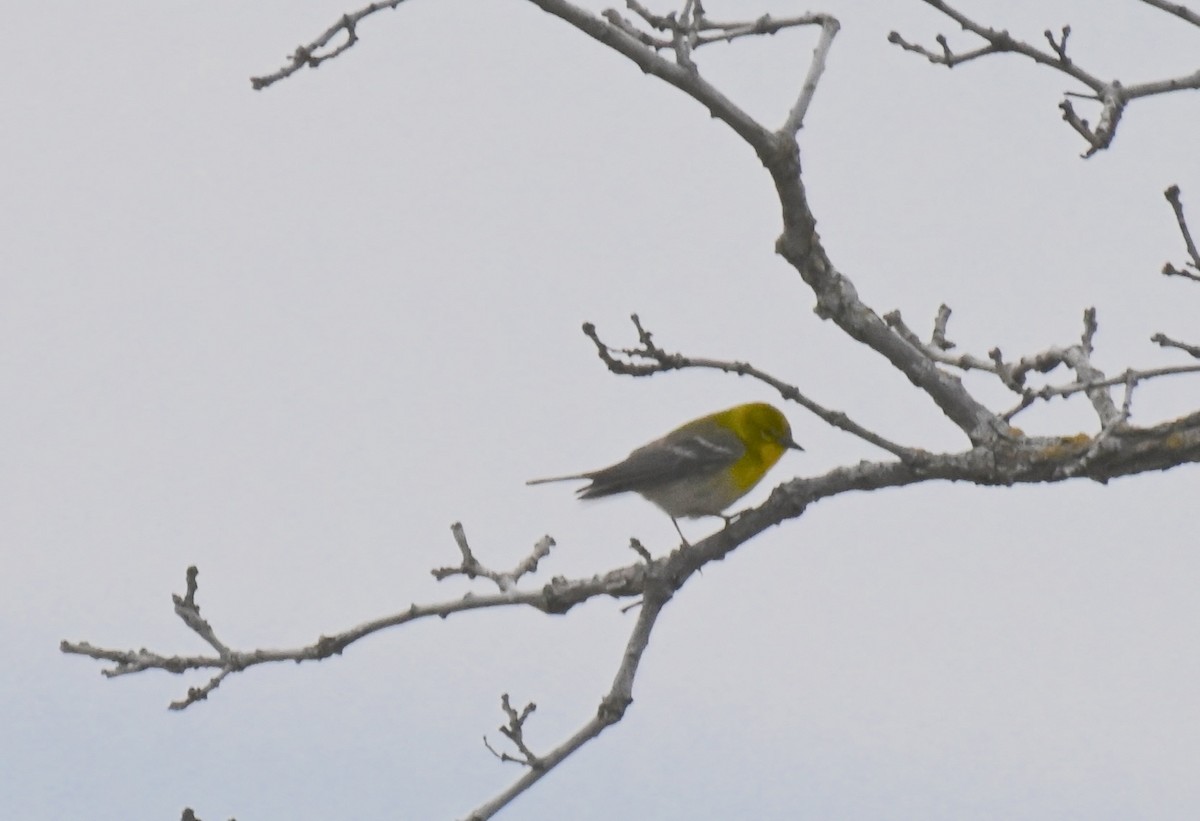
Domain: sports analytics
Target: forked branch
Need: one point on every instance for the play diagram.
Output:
(1112, 95)
(997, 454)
(318, 51)
(1120, 450)
(1191, 268)
(1013, 374)
(648, 358)
(556, 597)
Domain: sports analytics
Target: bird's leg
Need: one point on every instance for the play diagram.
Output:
(682, 538)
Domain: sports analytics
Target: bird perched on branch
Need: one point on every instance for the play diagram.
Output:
(698, 469)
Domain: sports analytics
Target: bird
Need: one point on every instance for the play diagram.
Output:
(701, 467)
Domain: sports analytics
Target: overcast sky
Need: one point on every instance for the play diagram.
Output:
(289, 336)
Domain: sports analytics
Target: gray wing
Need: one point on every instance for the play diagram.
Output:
(676, 456)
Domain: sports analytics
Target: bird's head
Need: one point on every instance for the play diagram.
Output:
(765, 426)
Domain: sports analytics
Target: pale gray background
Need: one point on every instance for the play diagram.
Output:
(290, 336)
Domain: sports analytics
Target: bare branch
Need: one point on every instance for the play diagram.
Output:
(1000, 41)
(1040, 457)
(1166, 342)
(1011, 374)
(637, 547)
(938, 345)
(1110, 427)
(837, 300)
(799, 244)
(1178, 9)
(998, 454)
(1088, 379)
(135, 661)
(1172, 195)
(1059, 46)
(682, 39)
(1120, 450)
(471, 567)
(657, 22)
(1186, 82)
(728, 32)
(612, 707)
(795, 118)
(514, 731)
(1113, 96)
(938, 338)
(195, 694)
(1170, 270)
(691, 83)
(557, 597)
(1137, 376)
(1078, 357)
(945, 56)
(658, 360)
(627, 26)
(1101, 136)
(309, 55)
(187, 609)
(699, 30)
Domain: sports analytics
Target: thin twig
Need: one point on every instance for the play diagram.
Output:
(514, 731)
(945, 57)
(1113, 96)
(1173, 196)
(816, 67)
(612, 706)
(1011, 374)
(308, 55)
(1178, 9)
(472, 567)
(1166, 342)
(659, 361)
(558, 596)
(1106, 432)
(1051, 391)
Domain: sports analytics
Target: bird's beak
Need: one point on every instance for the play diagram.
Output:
(791, 444)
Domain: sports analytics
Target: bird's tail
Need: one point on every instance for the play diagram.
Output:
(575, 477)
